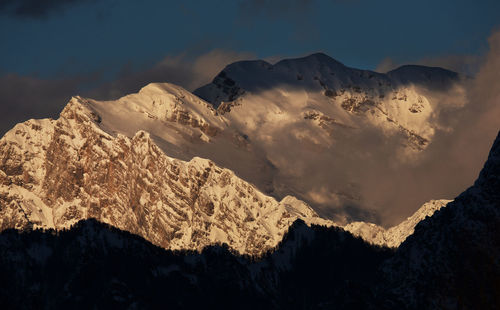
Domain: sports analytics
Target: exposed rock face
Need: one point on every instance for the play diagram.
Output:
(57, 172)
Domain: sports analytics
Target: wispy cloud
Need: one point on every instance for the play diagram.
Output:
(469, 123)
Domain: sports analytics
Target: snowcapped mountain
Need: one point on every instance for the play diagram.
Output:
(93, 162)
(321, 90)
(190, 175)
(328, 129)
(308, 127)
(54, 173)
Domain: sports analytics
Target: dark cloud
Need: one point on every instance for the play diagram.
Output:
(22, 97)
(296, 12)
(36, 8)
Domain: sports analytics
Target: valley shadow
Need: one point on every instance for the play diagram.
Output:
(94, 265)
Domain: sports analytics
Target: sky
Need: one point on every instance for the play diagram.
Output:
(54, 37)
(53, 49)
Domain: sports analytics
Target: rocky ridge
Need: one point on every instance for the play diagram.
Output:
(57, 172)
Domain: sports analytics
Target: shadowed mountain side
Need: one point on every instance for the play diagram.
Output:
(434, 78)
(94, 265)
(452, 261)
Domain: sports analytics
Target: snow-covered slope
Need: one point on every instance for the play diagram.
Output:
(394, 102)
(54, 173)
(395, 235)
(184, 126)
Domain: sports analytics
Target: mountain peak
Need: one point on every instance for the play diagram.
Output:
(246, 65)
(162, 87)
(421, 68)
(262, 66)
(314, 58)
(432, 77)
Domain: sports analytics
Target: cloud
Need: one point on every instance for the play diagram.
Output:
(390, 188)
(299, 15)
(478, 122)
(469, 122)
(36, 8)
(393, 184)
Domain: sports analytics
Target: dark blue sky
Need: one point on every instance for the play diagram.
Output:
(86, 36)
(53, 49)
